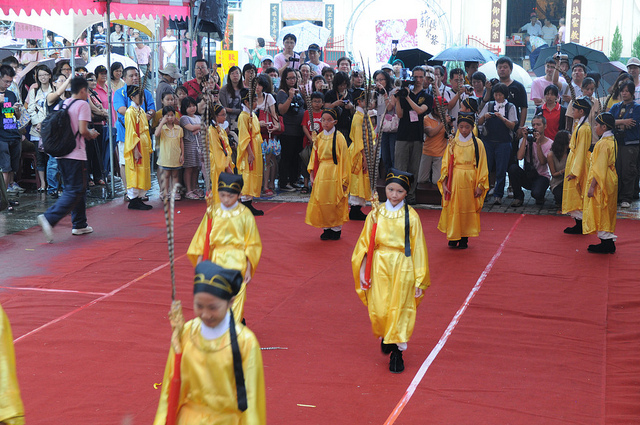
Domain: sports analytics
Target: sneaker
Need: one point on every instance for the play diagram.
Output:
(288, 188)
(490, 192)
(46, 228)
(17, 188)
(12, 190)
(497, 201)
(623, 204)
(82, 231)
(516, 203)
(509, 192)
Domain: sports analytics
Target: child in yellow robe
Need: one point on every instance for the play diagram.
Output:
(329, 170)
(249, 152)
(464, 181)
(137, 148)
(577, 168)
(399, 268)
(233, 239)
(221, 371)
(219, 149)
(600, 205)
(360, 186)
(11, 407)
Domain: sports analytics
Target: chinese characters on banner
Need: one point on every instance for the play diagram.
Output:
(227, 41)
(576, 7)
(226, 59)
(27, 31)
(274, 20)
(329, 20)
(496, 20)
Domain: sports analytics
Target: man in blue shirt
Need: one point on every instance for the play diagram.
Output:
(120, 103)
(627, 115)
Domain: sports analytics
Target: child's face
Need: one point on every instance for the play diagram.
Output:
(463, 108)
(588, 91)
(327, 122)
(191, 109)
(221, 117)
(171, 118)
(181, 95)
(316, 104)
(465, 128)
(600, 129)
(168, 100)
(136, 99)
(210, 309)
(395, 193)
(498, 96)
(228, 199)
(578, 113)
(251, 104)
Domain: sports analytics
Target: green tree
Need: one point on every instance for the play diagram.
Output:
(635, 49)
(616, 45)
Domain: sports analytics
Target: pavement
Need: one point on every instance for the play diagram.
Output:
(31, 204)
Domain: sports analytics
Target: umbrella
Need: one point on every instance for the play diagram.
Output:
(610, 71)
(593, 56)
(518, 73)
(465, 53)
(306, 34)
(413, 57)
(102, 60)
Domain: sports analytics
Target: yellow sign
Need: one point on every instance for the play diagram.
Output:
(226, 59)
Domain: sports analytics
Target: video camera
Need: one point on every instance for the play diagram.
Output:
(403, 84)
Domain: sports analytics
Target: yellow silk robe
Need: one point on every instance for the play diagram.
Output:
(360, 184)
(460, 216)
(600, 211)
(11, 407)
(137, 133)
(573, 191)
(391, 299)
(219, 155)
(234, 238)
(249, 133)
(328, 205)
(208, 386)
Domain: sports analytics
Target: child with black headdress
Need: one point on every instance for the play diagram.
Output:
(398, 266)
(137, 148)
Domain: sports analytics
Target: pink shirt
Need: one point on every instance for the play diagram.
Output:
(79, 111)
(539, 84)
(142, 55)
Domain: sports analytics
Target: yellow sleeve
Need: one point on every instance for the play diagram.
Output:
(253, 244)
(583, 143)
(602, 160)
(256, 413)
(196, 247)
(419, 254)
(11, 407)
(482, 170)
(161, 412)
(244, 138)
(444, 169)
(131, 138)
(359, 252)
(344, 161)
(313, 161)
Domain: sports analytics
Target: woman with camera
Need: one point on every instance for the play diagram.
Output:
(340, 99)
(387, 118)
(291, 106)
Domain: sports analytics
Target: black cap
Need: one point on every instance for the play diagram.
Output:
(217, 281)
(357, 94)
(468, 117)
(133, 91)
(471, 103)
(403, 178)
(314, 47)
(231, 183)
(583, 103)
(607, 119)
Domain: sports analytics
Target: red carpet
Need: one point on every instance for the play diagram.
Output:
(551, 336)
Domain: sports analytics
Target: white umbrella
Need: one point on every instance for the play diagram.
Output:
(102, 60)
(518, 73)
(306, 34)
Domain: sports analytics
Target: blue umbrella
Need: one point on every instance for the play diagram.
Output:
(466, 54)
(572, 50)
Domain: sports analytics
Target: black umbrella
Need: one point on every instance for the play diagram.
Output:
(572, 50)
(413, 57)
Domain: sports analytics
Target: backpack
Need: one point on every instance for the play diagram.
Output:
(482, 130)
(58, 139)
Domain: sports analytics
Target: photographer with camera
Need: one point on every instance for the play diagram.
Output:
(534, 148)
(288, 58)
(341, 99)
(413, 104)
(291, 107)
(201, 71)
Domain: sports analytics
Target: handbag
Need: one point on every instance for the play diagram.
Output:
(264, 115)
(390, 123)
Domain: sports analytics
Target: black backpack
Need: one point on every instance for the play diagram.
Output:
(58, 139)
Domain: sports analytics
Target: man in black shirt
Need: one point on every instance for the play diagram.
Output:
(517, 92)
(413, 105)
(10, 147)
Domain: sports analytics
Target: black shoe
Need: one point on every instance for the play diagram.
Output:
(386, 348)
(453, 244)
(356, 213)
(326, 235)
(254, 211)
(575, 230)
(137, 204)
(606, 246)
(54, 195)
(396, 364)
(334, 236)
(464, 243)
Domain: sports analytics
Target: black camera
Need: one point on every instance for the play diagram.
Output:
(293, 59)
(494, 81)
(403, 84)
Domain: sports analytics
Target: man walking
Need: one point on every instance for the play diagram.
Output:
(73, 167)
